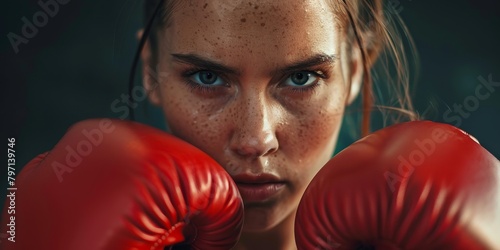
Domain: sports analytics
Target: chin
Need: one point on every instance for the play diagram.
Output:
(263, 218)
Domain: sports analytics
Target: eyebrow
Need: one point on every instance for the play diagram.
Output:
(315, 60)
(199, 61)
(203, 63)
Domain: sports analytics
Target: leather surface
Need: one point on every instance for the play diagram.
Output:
(134, 187)
(415, 185)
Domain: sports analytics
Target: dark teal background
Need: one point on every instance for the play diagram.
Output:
(79, 62)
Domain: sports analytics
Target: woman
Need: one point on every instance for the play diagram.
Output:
(262, 87)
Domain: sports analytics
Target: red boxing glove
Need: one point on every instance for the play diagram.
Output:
(111, 184)
(416, 185)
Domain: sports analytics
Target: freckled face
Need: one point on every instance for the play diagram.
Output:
(259, 87)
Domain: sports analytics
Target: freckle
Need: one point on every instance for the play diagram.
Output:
(256, 7)
(243, 20)
(205, 5)
(239, 37)
(220, 20)
(263, 24)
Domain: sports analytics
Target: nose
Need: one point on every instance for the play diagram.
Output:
(254, 134)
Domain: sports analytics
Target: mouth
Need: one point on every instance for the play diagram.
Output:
(258, 188)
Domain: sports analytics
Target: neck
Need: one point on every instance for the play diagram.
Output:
(279, 237)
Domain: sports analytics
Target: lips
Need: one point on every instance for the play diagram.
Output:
(258, 188)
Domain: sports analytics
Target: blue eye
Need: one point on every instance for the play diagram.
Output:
(206, 77)
(301, 79)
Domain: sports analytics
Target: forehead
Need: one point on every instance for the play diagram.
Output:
(290, 29)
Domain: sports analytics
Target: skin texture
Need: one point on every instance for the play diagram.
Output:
(255, 120)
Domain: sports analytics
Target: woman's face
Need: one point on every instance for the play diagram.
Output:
(261, 87)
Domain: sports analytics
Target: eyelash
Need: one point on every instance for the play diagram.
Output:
(186, 75)
(312, 87)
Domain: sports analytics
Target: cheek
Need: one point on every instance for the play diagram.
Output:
(198, 122)
(315, 123)
(309, 137)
